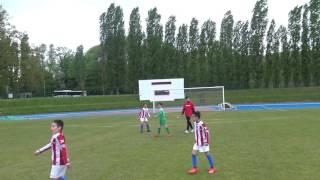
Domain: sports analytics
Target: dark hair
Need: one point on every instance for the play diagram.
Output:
(161, 104)
(197, 114)
(187, 97)
(59, 123)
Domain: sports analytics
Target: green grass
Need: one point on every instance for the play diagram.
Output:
(277, 145)
(46, 105)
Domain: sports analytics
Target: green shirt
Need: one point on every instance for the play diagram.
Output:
(161, 115)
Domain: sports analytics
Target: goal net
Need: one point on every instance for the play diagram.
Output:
(205, 98)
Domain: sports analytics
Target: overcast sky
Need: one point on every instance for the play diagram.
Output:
(70, 23)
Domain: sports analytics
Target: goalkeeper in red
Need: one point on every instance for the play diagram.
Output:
(202, 135)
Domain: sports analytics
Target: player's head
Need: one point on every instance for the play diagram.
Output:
(145, 105)
(196, 116)
(188, 98)
(56, 126)
(160, 105)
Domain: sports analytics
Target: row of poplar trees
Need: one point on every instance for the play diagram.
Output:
(245, 54)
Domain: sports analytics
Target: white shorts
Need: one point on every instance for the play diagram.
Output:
(58, 171)
(144, 119)
(201, 149)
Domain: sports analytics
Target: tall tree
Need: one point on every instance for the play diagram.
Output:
(269, 54)
(182, 49)
(112, 40)
(276, 64)
(207, 37)
(153, 45)
(295, 31)
(135, 52)
(245, 61)
(169, 52)
(80, 68)
(25, 64)
(193, 69)
(285, 56)
(305, 48)
(226, 38)
(259, 23)
(315, 38)
(66, 65)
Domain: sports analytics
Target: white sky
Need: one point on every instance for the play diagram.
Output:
(70, 23)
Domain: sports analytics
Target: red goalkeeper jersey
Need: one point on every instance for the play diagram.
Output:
(188, 109)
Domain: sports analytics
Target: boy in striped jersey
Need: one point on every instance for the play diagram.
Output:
(201, 133)
(143, 117)
(57, 144)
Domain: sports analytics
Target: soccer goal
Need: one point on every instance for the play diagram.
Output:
(205, 98)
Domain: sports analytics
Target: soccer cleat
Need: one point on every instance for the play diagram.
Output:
(191, 130)
(186, 131)
(193, 170)
(212, 170)
(169, 135)
(156, 135)
(148, 130)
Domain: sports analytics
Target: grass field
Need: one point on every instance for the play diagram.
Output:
(46, 105)
(247, 145)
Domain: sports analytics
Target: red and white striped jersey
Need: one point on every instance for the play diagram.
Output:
(59, 149)
(144, 113)
(201, 133)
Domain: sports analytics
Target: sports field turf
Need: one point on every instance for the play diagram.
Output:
(246, 145)
(89, 103)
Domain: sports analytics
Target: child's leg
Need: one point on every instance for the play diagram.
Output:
(187, 121)
(141, 127)
(159, 130)
(189, 124)
(167, 128)
(147, 125)
(210, 159)
(194, 158)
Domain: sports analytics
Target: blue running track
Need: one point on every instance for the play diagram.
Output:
(268, 106)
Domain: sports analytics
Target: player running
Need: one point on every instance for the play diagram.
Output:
(143, 116)
(188, 110)
(202, 135)
(57, 144)
(162, 120)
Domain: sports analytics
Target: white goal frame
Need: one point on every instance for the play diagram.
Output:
(196, 88)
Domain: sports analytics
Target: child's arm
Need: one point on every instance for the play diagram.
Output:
(64, 149)
(43, 149)
(207, 134)
(183, 109)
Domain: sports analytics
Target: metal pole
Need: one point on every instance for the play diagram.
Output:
(223, 99)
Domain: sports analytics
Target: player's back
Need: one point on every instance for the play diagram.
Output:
(201, 133)
(59, 149)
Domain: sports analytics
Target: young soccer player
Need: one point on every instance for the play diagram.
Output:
(162, 120)
(57, 144)
(143, 116)
(201, 133)
(188, 110)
